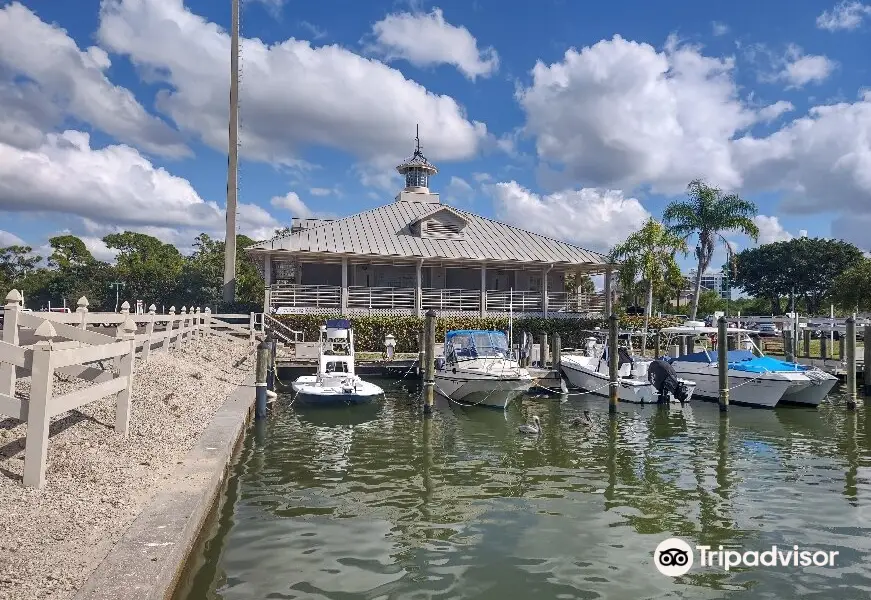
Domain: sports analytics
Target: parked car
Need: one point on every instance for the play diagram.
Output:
(768, 330)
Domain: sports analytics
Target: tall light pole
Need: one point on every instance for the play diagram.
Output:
(117, 285)
(232, 161)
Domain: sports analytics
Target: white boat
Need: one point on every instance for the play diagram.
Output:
(477, 369)
(760, 381)
(641, 380)
(335, 380)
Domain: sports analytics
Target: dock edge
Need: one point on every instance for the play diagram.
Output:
(148, 561)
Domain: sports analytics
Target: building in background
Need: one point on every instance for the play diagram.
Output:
(712, 280)
(417, 254)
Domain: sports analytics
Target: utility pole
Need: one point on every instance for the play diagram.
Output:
(232, 161)
(117, 285)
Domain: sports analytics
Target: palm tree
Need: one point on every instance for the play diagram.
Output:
(650, 253)
(706, 214)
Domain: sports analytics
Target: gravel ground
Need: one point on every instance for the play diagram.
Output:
(97, 482)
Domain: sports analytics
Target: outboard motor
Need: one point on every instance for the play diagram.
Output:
(661, 374)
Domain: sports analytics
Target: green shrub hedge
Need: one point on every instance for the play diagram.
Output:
(369, 331)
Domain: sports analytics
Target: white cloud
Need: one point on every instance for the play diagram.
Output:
(460, 186)
(719, 29)
(770, 230)
(291, 202)
(482, 177)
(591, 218)
(773, 111)
(800, 69)
(848, 14)
(619, 113)
(68, 81)
(113, 185)
(319, 191)
(292, 94)
(802, 233)
(10, 239)
(427, 39)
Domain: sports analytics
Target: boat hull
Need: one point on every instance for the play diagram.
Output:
(747, 389)
(491, 392)
(813, 392)
(589, 379)
(308, 390)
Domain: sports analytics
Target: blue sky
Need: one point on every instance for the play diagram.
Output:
(113, 114)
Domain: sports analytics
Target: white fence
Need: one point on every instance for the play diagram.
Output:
(41, 344)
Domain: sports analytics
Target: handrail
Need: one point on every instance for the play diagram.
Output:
(282, 330)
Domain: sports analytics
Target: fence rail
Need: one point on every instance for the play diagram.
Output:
(62, 343)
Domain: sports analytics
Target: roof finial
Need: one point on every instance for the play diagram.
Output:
(417, 139)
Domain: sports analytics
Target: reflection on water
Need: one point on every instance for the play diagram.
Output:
(376, 502)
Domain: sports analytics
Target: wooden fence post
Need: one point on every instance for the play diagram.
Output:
(167, 341)
(181, 329)
(123, 400)
(197, 322)
(207, 322)
(10, 336)
(38, 415)
(149, 331)
(82, 309)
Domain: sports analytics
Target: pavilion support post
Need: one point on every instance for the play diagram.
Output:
(609, 310)
(344, 286)
(483, 301)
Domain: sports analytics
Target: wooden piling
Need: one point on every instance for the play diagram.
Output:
(842, 346)
(866, 368)
(657, 344)
(612, 364)
(723, 364)
(429, 361)
(824, 346)
(263, 350)
(806, 343)
(850, 344)
(786, 336)
(542, 353)
(557, 353)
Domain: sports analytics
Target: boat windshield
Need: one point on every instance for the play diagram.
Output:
(472, 344)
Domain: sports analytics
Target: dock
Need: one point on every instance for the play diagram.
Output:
(833, 366)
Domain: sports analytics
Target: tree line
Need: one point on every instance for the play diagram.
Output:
(806, 273)
(145, 269)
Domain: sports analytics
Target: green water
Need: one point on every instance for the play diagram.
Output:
(376, 502)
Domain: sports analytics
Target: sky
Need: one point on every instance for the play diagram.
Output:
(576, 120)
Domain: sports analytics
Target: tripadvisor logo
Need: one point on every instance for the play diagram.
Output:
(674, 557)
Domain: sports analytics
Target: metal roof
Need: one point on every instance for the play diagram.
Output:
(384, 231)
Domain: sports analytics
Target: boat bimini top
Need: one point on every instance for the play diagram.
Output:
(470, 344)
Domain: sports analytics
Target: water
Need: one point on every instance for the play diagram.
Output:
(376, 503)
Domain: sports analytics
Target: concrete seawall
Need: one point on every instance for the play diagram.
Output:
(149, 559)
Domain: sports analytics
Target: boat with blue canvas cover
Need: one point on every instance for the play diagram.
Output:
(335, 381)
(477, 369)
(762, 381)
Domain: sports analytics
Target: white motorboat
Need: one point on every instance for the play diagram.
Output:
(760, 381)
(641, 380)
(335, 380)
(477, 369)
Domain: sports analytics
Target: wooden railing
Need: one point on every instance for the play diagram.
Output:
(519, 301)
(63, 343)
(451, 299)
(402, 299)
(305, 296)
(381, 298)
